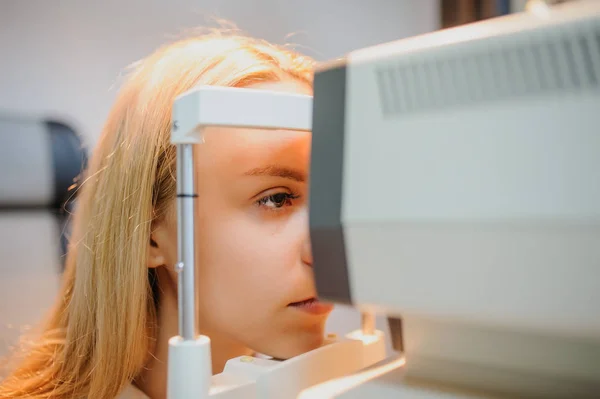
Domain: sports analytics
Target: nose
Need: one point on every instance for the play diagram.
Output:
(306, 255)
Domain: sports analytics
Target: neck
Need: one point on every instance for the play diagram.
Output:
(153, 378)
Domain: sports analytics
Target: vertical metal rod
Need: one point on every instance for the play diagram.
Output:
(186, 195)
(368, 323)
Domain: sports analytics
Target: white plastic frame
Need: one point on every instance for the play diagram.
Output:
(207, 106)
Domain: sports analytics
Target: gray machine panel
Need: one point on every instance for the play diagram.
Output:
(327, 160)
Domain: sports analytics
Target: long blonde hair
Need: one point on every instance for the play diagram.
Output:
(101, 331)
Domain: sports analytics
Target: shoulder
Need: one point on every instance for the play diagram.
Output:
(131, 392)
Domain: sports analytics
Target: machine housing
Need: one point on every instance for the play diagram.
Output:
(455, 185)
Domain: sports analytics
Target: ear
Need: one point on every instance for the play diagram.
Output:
(156, 253)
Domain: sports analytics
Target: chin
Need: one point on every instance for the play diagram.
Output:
(291, 344)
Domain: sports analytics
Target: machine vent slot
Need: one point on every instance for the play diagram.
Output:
(531, 67)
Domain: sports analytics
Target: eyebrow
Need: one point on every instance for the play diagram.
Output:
(278, 171)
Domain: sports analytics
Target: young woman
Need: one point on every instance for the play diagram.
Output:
(109, 330)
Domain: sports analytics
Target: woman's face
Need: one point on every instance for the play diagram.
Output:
(254, 263)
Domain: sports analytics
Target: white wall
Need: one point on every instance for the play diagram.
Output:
(64, 56)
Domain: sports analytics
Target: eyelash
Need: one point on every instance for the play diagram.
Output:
(287, 198)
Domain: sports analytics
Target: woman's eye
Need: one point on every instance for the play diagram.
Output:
(275, 201)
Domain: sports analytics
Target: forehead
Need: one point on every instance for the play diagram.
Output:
(231, 150)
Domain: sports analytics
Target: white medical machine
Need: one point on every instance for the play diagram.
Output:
(455, 188)
(455, 184)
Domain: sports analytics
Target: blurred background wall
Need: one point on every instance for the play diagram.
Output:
(460, 12)
(64, 57)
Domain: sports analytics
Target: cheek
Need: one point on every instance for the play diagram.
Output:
(245, 265)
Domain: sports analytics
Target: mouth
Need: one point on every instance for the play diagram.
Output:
(312, 306)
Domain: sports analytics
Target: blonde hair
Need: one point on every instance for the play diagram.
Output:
(101, 331)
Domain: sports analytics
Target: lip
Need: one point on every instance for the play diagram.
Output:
(312, 306)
